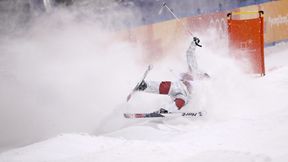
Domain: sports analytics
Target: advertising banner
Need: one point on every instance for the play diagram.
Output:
(159, 38)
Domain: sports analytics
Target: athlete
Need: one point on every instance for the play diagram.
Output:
(179, 91)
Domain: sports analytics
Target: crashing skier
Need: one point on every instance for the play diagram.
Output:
(179, 91)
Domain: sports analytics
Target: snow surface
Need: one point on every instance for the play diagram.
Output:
(63, 89)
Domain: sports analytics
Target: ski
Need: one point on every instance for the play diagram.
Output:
(164, 115)
(143, 77)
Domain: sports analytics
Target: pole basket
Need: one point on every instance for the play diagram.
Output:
(248, 36)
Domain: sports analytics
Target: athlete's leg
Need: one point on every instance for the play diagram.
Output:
(155, 87)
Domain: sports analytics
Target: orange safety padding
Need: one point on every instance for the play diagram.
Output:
(248, 35)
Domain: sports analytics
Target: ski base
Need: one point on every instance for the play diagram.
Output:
(164, 115)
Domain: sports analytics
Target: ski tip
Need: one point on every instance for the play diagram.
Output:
(150, 66)
(128, 97)
(126, 115)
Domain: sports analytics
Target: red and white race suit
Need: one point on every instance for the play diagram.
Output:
(179, 91)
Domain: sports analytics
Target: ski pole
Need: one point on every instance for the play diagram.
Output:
(196, 40)
(176, 17)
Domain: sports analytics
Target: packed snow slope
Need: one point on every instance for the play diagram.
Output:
(64, 85)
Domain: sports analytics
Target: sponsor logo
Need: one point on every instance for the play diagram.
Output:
(247, 46)
(192, 114)
(220, 24)
(279, 20)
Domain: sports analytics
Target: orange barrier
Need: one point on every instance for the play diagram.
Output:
(276, 19)
(248, 36)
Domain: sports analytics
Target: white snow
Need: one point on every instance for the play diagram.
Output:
(72, 93)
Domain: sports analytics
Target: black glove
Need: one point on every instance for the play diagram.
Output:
(197, 41)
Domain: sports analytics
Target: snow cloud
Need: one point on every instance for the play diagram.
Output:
(63, 73)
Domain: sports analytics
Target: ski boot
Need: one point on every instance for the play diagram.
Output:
(161, 111)
(141, 87)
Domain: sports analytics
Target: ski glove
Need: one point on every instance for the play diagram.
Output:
(197, 41)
